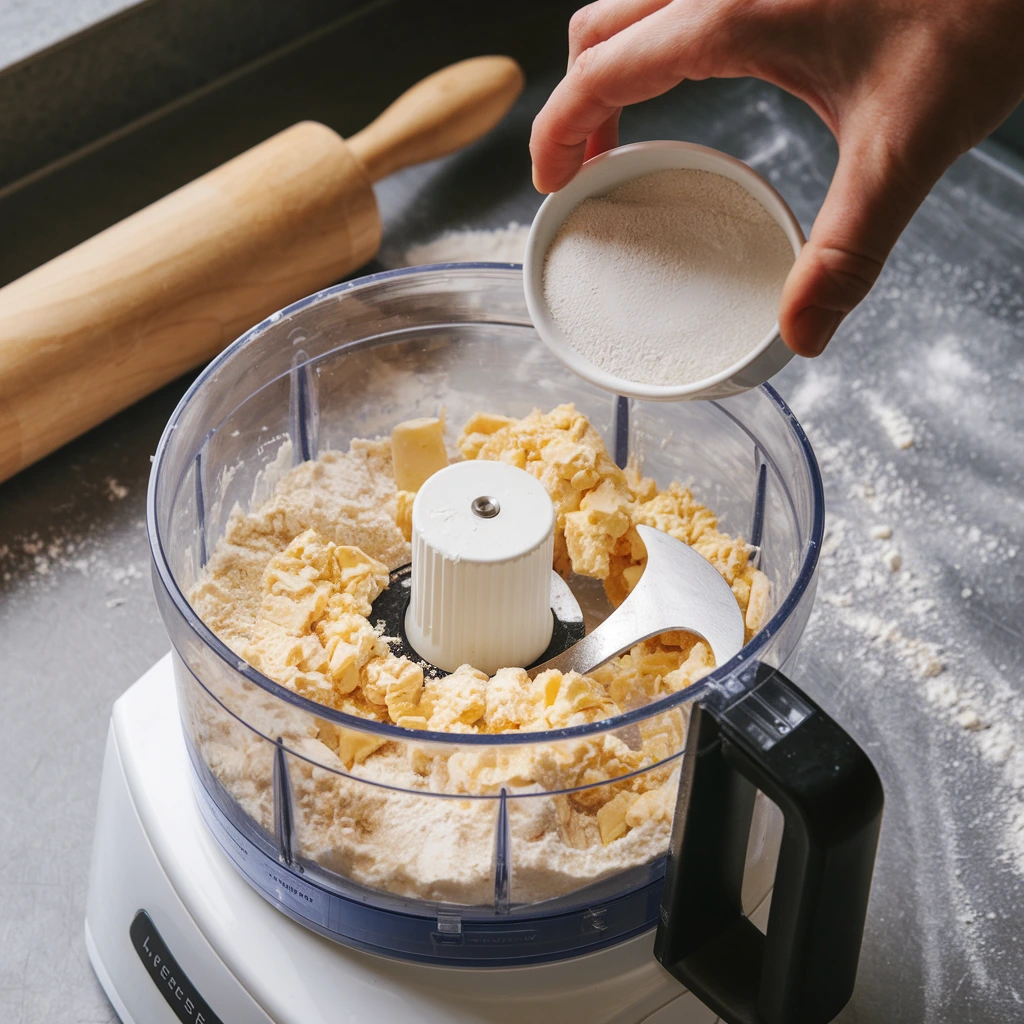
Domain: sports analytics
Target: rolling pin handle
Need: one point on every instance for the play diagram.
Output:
(444, 112)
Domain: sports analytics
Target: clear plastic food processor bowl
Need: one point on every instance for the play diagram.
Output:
(473, 883)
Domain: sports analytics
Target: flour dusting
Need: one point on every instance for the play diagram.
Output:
(495, 245)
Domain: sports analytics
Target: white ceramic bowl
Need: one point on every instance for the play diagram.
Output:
(598, 177)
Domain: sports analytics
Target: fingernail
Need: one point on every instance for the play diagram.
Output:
(815, 326)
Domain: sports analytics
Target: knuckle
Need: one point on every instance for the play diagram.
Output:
(580, 25)
(585, 72)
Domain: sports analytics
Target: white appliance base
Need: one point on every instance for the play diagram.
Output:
(209, 947)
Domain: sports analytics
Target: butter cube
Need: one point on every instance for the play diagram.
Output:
(654, 805)
(487, 423)
(417, 451)
(412, 722)
(403, 512)
(611, 818)
(351, 746)
(631, 576)
(757, 604)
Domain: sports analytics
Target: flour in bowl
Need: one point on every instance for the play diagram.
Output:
(668, 279)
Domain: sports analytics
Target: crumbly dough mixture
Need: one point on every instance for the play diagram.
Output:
(290, 588)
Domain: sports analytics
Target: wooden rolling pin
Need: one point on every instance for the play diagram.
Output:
(128, 310)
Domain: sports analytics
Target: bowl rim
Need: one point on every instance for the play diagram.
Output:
(716, 679)
(632, 157)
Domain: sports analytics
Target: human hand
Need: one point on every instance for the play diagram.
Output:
(905, 86)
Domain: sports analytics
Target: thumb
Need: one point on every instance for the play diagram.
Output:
(869, 203)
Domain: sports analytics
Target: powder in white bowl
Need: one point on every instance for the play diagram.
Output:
(668, 279)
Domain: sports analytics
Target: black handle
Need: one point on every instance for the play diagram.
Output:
(763, 733)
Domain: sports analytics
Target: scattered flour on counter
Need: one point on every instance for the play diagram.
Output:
(895, 423)
(497, 245)
(900, 630)
(77, 542)
(815, 390)
(950, 373)
(116, 491)
(38, 561)
(668, 279)
(894, 601)
(930, 655)
(893, 559)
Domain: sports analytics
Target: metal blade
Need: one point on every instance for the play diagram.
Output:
(679, 589)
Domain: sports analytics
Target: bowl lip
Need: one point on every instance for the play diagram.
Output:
(716, 679)
(576, 191)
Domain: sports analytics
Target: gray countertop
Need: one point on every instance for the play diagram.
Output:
(921, 664)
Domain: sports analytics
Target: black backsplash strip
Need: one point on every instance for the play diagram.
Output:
(123, 68)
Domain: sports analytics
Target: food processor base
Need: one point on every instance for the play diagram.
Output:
(176, 934)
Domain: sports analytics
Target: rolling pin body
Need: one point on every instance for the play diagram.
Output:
(128, 310)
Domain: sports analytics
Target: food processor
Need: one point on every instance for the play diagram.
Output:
(209, 898)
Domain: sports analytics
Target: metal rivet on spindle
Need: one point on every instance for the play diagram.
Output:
(485, 507)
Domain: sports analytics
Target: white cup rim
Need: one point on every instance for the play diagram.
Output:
(600, 175)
